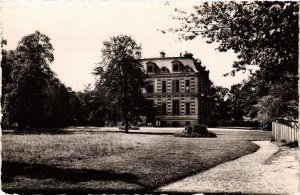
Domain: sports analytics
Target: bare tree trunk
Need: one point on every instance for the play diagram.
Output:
(126, 111)
(126, 124)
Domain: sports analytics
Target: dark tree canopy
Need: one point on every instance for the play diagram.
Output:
(121, 79)
(29, 75)
(32, 96)
(221, 109)
(262, 33)
(92, 106)
(237, 101)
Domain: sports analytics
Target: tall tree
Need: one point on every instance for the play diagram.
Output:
(7, 67)
(93, 106)
(236, 101)
(30, 75)
(31, 94)
(262, 33)
(121, 79)
(250, 92)
(268, 108)
(221, 109)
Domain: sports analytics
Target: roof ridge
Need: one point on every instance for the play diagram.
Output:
(167, 58)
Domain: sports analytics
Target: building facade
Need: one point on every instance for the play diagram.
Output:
(179, 89)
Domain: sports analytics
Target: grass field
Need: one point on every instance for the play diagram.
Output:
(112, 161)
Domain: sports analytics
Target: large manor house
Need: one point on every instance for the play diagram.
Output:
(178, 88)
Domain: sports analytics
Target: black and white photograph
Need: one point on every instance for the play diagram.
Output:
(149, 97)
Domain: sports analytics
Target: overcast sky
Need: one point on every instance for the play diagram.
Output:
(77, 31)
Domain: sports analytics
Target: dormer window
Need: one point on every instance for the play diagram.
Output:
(150, 68)
(189, 69)
(175, 67)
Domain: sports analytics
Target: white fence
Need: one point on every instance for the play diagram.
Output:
(285, 132)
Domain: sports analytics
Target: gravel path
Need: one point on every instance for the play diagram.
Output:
(261, 173)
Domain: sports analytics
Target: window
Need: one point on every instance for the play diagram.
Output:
(150, 68)
(200, 86)
(151, 102)
(164, 70)
(150, 87)
(164, 86)
(163, 123)
(175, 124)
(187, 109)
(175, 107)
(175, 67)
(187, 85)
(189, 69)
(175, 86)
(164, 109)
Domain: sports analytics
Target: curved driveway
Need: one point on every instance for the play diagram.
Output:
(258, 173)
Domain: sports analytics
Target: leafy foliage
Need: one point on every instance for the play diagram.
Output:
(280, 104)
(29, 75)
(221, 104)
(263, 34)
(235, 98)
(268, 107)
(121, 77)
(32, 96)
(92, 107)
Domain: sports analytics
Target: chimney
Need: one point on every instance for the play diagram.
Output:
(188, 55)
(180, 54)
(162, 54)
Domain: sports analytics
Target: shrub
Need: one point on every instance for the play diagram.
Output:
(283, 141)
(196, 130)
(292, 144)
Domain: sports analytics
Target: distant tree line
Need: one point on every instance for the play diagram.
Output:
(230, 107)
(251, 103)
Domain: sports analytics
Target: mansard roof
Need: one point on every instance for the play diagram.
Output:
(168, 61)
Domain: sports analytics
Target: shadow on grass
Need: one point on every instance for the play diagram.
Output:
(67, 132)
(70, 132)
(54, 131)
(244, 128)
(73, 176)
(130, 132)
(150, 133)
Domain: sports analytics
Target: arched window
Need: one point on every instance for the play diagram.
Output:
(151, 67)
(164, 70)
(187, 68)
(176, 66)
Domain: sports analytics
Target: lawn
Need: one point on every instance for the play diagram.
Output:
(112, 161)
